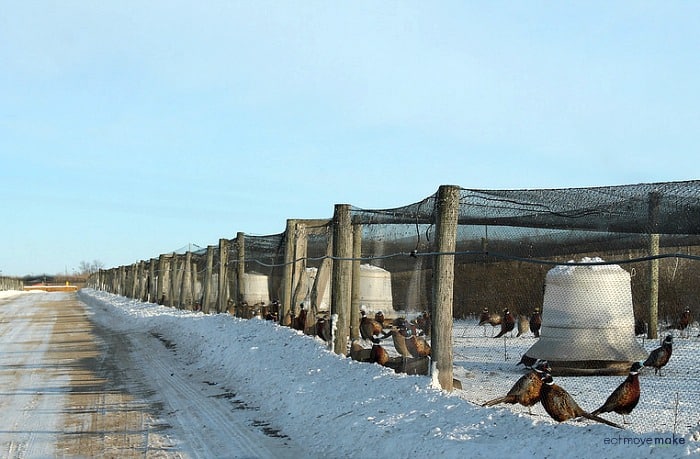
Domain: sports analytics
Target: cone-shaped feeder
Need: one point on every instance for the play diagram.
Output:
(588, 321)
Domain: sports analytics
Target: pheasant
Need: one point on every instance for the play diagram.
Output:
(369, 328)
(561, 406)
(491, 319)
(625, 397)
(536, 322)
(684, 321)
(508, 323)
(526, 390)
(660, 356)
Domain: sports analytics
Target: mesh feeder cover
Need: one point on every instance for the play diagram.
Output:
(255, 289)
(588, 316)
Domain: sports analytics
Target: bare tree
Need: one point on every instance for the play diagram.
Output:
(88, 268)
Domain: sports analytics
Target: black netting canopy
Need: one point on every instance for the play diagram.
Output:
(664, 208)
(545, 222)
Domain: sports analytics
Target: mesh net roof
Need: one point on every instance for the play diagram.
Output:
(666, 208)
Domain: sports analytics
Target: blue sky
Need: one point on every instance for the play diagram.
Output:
(129, 129)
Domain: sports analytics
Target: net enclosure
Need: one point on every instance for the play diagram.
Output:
(500, 246)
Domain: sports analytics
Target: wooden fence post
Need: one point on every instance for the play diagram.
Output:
(654, 201)
(115, 280)
(288, 271)
(186, 285)
(140, 280)
(355, 295)
(121, 290)
(153, 284)
(299, 279)
(130, 280)
(196, 296)
(341, 291)
(443, 285)
(174, 296)
(223, 276)
(163, 279)
(208, 281)
(135, 280)
(240, 270)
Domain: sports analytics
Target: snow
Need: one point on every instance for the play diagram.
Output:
(330, 406)
(569, 269)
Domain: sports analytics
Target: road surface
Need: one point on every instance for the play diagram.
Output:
(73, 389)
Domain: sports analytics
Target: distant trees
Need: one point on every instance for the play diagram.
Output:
(88, 268)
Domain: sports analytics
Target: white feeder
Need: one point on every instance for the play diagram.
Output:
(255, 289)
(588, 321)
(375, 288)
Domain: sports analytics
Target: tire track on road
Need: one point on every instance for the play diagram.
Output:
(212, 420)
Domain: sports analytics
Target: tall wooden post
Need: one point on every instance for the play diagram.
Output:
(196, 293)
(240, 269)
(355, 294)
(122, 281)
(299, 279)
(443, 285)
(153, 293)
(341, 291)
(133, 281)
(288, 272)
(654, 201)
(141, 280)
(186, 293)
(208, 281)
(223, 276)
(174, 296)
(164, 280)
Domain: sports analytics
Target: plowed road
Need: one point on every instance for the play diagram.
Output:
(69, 388)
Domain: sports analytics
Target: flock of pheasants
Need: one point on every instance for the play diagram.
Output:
(535, 386)
(538, 385)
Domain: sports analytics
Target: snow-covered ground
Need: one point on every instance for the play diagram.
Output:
(329, 406)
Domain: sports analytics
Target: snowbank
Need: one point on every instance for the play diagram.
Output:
(337, 407)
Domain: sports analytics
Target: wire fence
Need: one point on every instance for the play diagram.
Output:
(604, 268)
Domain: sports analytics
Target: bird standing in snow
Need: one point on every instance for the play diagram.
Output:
(660, 356)
(623, 399)
(369, 328)
(683, 323)
(526, 390)
(561, 406)
(491, 319)
(536, 322)
(508, 323)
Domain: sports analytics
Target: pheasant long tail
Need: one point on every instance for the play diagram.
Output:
(596, 418)
(504, 399)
